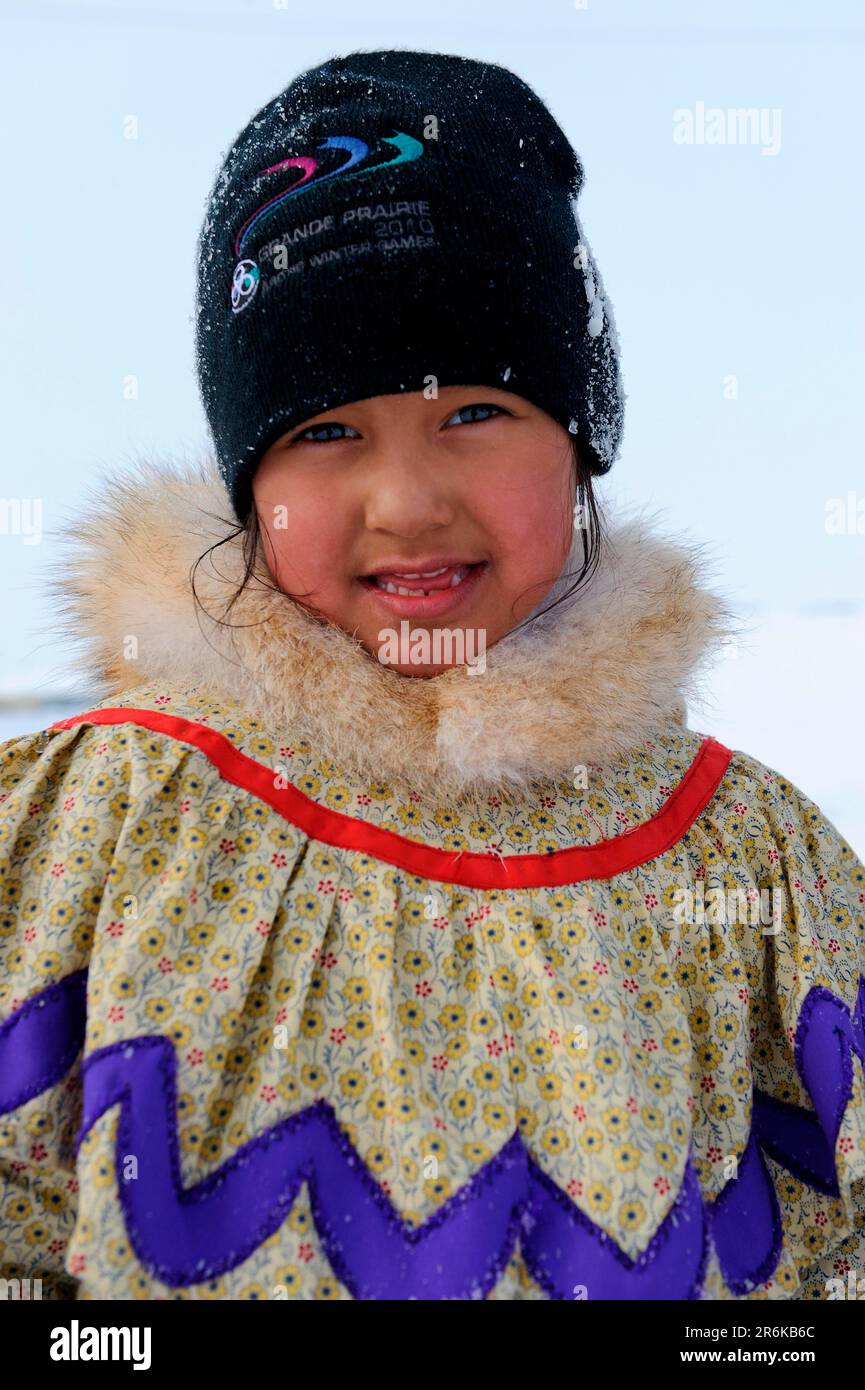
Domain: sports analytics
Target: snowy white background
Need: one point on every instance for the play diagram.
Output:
(720, 261)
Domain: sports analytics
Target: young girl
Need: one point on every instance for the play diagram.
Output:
(386, 933)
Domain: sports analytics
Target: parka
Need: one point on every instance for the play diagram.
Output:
(318, 981)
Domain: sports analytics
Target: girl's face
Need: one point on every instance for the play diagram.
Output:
(477, 483)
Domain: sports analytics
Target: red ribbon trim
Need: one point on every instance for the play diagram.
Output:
(471, 869)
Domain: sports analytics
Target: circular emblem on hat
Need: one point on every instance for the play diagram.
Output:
(244, 284)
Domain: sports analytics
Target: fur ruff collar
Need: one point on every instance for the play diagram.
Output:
(581, 685)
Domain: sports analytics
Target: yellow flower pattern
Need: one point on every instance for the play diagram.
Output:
(616, 1023)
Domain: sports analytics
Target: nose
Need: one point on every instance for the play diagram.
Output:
(406, 494)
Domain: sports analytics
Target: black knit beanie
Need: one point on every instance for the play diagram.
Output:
(393, 221)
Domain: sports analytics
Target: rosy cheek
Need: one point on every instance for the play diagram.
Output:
(281, 555)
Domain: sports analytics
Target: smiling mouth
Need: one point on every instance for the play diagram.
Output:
(416, 585)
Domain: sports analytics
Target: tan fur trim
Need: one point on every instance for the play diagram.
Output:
(581, 685)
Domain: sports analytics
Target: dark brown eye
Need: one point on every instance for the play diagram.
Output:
(325, 425)
(480, 405)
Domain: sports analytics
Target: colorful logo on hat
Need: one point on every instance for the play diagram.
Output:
(244, 283)
(247, 273)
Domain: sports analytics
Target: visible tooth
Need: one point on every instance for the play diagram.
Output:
(422, 574)
(389, 587)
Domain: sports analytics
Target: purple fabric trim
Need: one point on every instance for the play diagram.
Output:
(746, 1217)
(826, 1038)
(795, 1138)
(746, 1223)
(40, 1041)
(185, 1236)
(563, 1247)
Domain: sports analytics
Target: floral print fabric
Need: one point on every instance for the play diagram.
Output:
(612, 1022)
